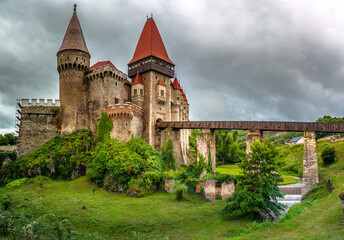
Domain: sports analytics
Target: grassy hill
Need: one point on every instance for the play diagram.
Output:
(108, 215)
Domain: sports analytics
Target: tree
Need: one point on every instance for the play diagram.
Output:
(257, 189)
(168, 155)
(328, 119)
(328, 155)
(104, 127)
(227, 147)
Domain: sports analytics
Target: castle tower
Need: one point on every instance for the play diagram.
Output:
(151, 61)
(73, 60)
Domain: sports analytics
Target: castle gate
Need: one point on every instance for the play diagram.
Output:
(206, 139)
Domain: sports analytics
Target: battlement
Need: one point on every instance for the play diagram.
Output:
(106, 71)
(26, 102)
(127, 110)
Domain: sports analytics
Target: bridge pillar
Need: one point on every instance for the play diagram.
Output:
(310, 165)
(251, 137)
(206, 146)
(175, 136)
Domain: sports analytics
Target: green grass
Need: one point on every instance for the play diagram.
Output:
(111, 215)
(234, 169)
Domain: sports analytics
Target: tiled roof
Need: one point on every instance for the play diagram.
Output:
(138, 79)
(175, 84)
(150, 44)
(127, 82)
(102, 64)
(74, 39)
(161, 83)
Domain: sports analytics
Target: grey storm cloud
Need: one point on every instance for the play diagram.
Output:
(236, 60)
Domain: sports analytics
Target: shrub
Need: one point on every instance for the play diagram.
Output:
(129, 164)
(179, 189)
(5, 203)
(328, 155)
(16, 183)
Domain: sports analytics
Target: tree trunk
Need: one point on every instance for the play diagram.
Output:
(223, 161)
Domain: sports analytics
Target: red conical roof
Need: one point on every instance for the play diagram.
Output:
(150, 44)
(161, 83)
(74, 39)
(175, 84)
(137, 79)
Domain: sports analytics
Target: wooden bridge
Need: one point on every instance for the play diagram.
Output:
(256, 125)
(206, 139)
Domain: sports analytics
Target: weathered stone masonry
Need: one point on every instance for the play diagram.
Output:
(310, 175)
(39, 123)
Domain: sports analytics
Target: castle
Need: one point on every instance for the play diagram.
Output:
(135, 102)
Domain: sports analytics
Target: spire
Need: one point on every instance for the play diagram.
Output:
(176, 84)
(138, 79)
(74, 39)
(150, 43)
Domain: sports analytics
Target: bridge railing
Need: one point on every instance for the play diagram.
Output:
(256, 125)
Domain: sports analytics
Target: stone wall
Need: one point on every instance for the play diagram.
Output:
(226, 190)
(127, 121)
(206, 146)
(174, 135)
(251, 137)
(39, 123)
(105, 88)
(310, 165)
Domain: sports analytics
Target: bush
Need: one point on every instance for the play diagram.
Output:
(128, 164)
(328, 155)
(5, 203)
(104, 127)
(16, 183)
(179, 189)
(168, 155)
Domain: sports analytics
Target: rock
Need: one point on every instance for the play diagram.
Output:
(83, 207)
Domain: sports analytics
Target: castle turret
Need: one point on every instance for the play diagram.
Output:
(73, 60)
(137, 91)
(151, 61)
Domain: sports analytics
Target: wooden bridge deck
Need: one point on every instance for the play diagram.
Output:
(256, 125)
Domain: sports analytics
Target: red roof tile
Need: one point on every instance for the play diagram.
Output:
(102, 64)
(175, 84)
(150, 44)
(74, 39)
(161, 83)
(138, 79)
(127, 82)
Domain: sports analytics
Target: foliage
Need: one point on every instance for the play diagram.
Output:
(328, 155)
(280, 139)
(132, 163)
(104, 127)
(168, 155)
(16, 183)
(179, 189)
(3, 155)
(221, 178)
(59, 158)
(5, 202)
(228, 148)
(257, 189)
(8, 139)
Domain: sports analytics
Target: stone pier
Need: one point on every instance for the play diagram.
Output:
(175, 136)
(206, 146)
(251, 137)
(310, 165)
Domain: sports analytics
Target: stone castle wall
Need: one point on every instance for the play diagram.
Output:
(127, 121)
(39, 123)
(105, 87)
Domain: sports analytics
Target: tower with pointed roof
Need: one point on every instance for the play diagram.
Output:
(73, 61)
(152, 64)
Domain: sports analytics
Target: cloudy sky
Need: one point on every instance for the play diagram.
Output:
(277, 60)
